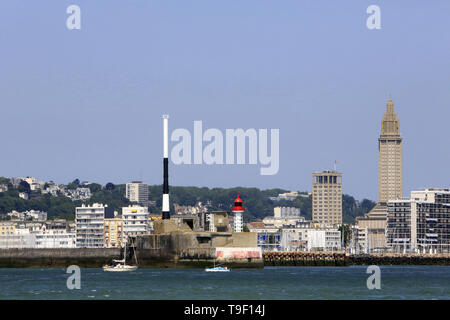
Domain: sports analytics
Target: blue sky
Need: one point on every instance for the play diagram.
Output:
(87, 103)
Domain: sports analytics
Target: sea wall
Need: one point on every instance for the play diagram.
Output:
(57, 258)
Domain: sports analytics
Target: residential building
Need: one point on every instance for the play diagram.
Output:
(286, 212)
(137, 192)
(358, 240)
(323, 240)
(55, 238)
(90, 225)
(28, 215)
(23, 195)
(135, 220)
(420, 224)
(78, 194)
(114, 232)
(7, 227)
(327, 198)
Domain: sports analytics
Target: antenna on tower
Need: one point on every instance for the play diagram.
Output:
(335, 164)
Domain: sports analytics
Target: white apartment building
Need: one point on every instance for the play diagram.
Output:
(90, 225)
(137, 191)
(323, 240)
(135, 220)
(28, 215)
(55, 238)
(359, 240)
(420, 224)
(286, 212)
(24, 238)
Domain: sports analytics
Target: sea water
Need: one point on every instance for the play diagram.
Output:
(397, 282)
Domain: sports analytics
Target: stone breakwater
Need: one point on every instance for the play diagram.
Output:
(342, 259)
(305, 259)
(400, 259)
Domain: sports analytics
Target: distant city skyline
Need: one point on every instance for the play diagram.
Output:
(87, 103)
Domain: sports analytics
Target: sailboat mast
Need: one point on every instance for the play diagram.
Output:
(125, 251)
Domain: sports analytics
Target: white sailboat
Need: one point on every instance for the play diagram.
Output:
(120, 265)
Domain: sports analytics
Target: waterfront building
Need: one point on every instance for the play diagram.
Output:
(7, 227)
(305, 238)
(137, 192)
(54, 238)
(323, 240)
(114, 232)
(327, 198)
(135, 220)
(42, 239)
(358, 240)
(90, 225)
(21, 238)
(420, 224)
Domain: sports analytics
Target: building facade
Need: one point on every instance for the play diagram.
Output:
(286, 212)
(137, 191)
(420, 224)
(135, 220)
(114, 232)
(90, 225)
(327, 198)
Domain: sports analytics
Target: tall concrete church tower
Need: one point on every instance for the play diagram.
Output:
(389, 157)
(373, 224)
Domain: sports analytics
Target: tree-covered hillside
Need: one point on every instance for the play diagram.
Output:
(257, 202)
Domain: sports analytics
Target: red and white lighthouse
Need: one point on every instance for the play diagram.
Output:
(238, 210)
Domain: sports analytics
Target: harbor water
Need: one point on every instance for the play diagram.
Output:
(397, 282)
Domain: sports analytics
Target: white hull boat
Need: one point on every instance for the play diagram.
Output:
(217, 268)
(119, 268)
(120, 265)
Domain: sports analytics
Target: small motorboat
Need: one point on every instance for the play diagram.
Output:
(217, 268)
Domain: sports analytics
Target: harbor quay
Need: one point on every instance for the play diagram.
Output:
(155, 252)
